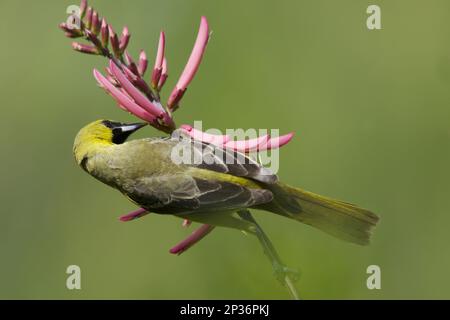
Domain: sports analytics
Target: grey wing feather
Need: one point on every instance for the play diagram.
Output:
(181, 193)
(227, 161)
(185, 194)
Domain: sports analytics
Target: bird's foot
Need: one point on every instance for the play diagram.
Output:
(281, 272)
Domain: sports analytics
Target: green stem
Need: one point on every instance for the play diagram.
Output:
(282, 273)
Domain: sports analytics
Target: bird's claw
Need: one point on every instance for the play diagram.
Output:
(281, 272)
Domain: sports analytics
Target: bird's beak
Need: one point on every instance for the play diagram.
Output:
(121, 131)
(132, 127)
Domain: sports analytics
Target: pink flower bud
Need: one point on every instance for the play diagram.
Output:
(137, 96)
(88, 18)
(95, 28)
(71, 35)
(218, 140)
(84, 48)
(114, 40)
(64, 27)
(124, 39)
(83, 6)
(195, 237)
(164, 75)
(105, 33)
(248, 145)
(124, 100)
(70, 31)
(192, 64)
(280, 141)
(130, 63)
(157, 69)
(143, 63)
(93, 38)
(137, 81)
(264, 142)
(134, 215)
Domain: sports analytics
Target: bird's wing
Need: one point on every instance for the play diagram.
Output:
(210, 157)
(194, 193)
(161, 184)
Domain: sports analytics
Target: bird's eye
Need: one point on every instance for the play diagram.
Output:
(111, 124)
(116, 131)
(118, 136)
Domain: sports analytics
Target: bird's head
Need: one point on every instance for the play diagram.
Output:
(101, 133)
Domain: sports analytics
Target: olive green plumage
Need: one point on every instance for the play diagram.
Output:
(208, 192)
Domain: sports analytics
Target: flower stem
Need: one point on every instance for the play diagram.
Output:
(285, 275)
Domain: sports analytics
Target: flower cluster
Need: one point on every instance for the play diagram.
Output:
(125, 77)
(125, 83)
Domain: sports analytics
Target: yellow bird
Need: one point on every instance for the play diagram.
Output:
(144, 171)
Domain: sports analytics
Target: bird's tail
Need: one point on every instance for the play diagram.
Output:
(337, 218)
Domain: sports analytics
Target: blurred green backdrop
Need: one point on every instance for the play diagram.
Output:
(371, 114)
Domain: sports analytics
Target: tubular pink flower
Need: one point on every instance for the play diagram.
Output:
(83, 6)
(175, 98)
(168, 120)
(195, 237)
(69, 29)
(143, 63)
(123, 99)
(157, 69)
(64, 27)
(155, 109)
(280, 141)
(111, 78)
(247, 145)
(262, 143)
(71, 35)
(105, 32)
(88, 18)
(134, 215)
(161, 51)
(130, 63)
(124, 39)
(140, 99)
(122, 107)
(196, 55)
(84, 48)
(114, 40)
(130, 75)
(192, 64)
(93, 38)
(96, 23)
(164, 75)
(205, 137)
(137, 81)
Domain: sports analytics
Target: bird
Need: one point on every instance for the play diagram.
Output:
(210, 191)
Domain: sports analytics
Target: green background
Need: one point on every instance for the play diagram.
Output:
(371, 114)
